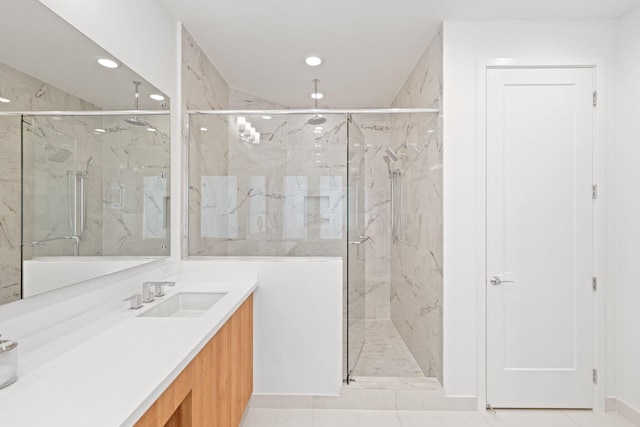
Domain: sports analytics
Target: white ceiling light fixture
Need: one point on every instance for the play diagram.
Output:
(100, 130)
(156, 97)
(313, 60)
(266, 117)
(317, 95)
(108, 63)
(151, 129)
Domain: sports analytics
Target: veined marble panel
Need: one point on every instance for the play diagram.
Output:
(206, 137)
(132, 158)
(244, 101)
(377, 137)
(416, 254)
(290, 198)
(203, 87)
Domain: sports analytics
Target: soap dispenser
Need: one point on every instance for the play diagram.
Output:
(8, 362)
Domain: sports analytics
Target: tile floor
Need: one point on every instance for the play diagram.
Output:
(385, 354)
(358, 418)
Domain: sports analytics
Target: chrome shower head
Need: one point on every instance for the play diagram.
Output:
(391, 155)
(316, 119)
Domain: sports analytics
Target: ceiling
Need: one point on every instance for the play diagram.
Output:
(369, 46)
(39, 43)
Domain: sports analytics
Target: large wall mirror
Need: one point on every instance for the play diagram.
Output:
(85, 190)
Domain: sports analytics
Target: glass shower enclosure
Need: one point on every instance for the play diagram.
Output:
(270, 183)
(354, 289)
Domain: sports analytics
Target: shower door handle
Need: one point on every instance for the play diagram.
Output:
(361, 240)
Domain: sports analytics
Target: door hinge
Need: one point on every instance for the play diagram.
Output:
(594, 283)
(595, 98)
(594, 191)
(595, 376)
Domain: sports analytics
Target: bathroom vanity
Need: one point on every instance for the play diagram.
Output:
(185, 366)
(215, 388)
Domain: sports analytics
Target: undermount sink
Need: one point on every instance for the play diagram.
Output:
(184, 304)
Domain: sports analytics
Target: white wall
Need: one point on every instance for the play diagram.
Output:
(140, 33)
(297, 320)
(47, 274)
(627, 219)
(466, 44)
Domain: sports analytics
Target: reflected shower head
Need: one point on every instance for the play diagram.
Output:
(135, 120)
(60, 156)
(391, 155)
(316, 120)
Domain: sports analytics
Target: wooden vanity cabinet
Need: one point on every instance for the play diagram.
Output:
(215, 388)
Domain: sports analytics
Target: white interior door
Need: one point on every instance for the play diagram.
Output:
(540, 134)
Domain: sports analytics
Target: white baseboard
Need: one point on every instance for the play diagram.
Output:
(373, 399)
(623, 408)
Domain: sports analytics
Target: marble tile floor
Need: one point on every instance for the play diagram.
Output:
(257, 417)
(385, 354)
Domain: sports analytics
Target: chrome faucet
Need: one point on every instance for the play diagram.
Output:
(147, 294)
(159, 287)
(136, 301)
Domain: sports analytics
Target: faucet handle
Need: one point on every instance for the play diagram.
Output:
(147, 293)
(136, 301)
(159, 287)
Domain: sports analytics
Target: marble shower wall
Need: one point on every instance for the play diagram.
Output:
(135, 189)
(284, 197)
(25, 93)
(416, 253)
(54, 149)
(377, 137)
(205, 137)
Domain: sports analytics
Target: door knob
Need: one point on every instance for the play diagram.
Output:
(496, 280)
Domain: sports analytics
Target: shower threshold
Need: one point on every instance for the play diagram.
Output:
(395, 383)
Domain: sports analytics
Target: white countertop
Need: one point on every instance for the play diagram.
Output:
(119, 367)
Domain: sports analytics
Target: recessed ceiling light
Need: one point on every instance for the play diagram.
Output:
(266, 117)
(204, 129)
(4, 100)
(151, 129)
(313, 60)
(317, 95)
(99, 130)
(109, 63)
(156, 97)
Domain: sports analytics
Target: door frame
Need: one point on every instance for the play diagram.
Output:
(599, 213)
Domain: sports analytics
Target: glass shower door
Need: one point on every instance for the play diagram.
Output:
(356, 241)
(48, 190)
